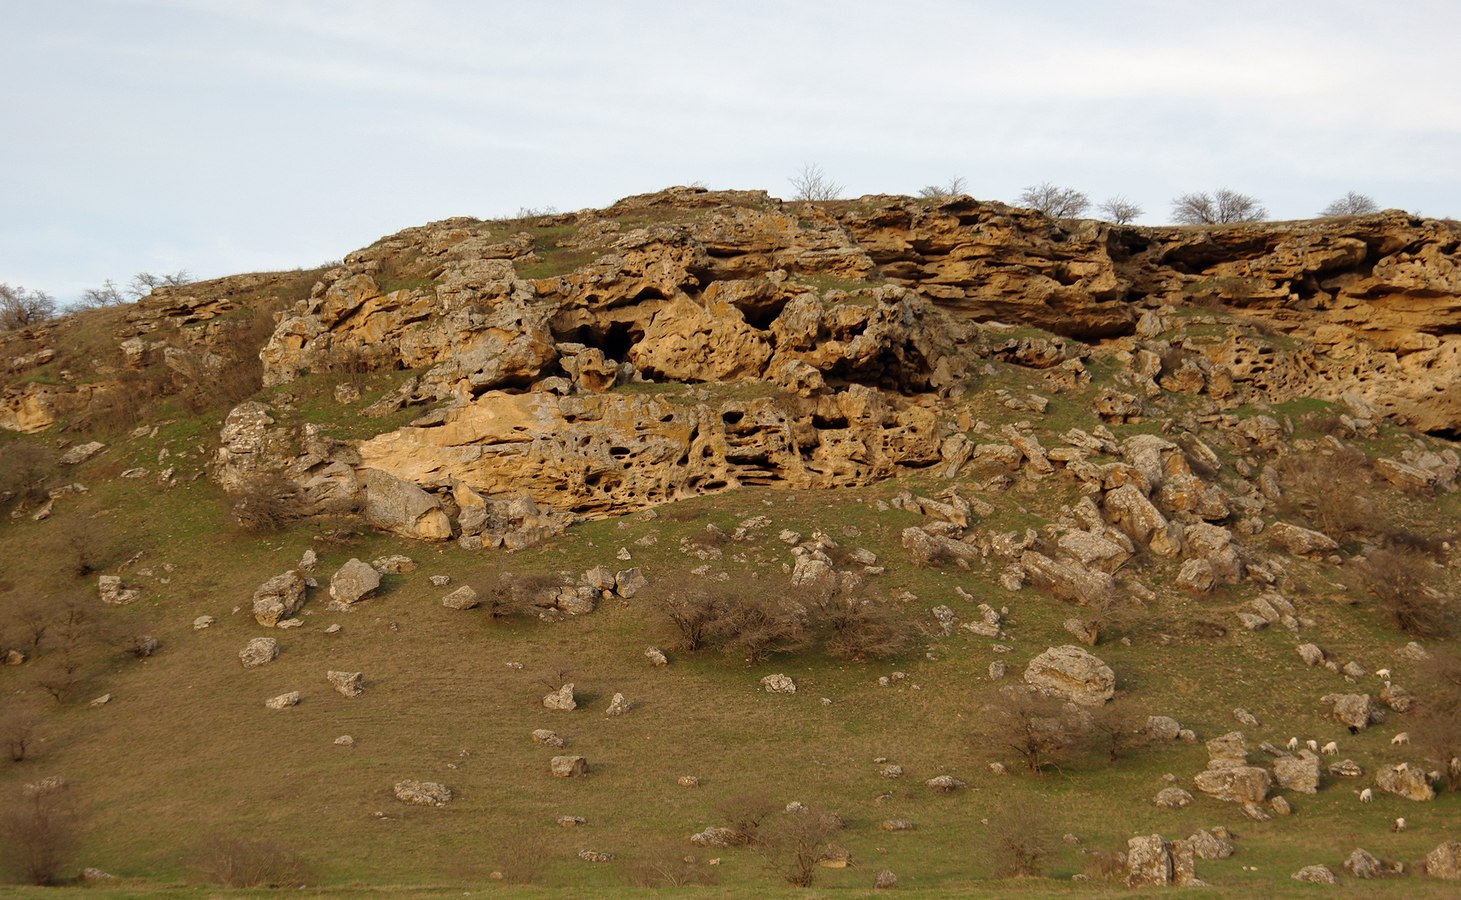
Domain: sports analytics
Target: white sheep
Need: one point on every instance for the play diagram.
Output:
(1330, 749)
(1382, 674)
(1312, 745)
(1293, 743)
(1367, 795)
(1401, 738)
(1399, 825)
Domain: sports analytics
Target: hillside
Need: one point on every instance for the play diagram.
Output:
(995, 543)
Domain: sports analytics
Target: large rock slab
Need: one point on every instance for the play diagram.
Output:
(353, 582)
(1405, 780)
(402, 507)
(1234, 784)
(422, 793)
(1072, 673)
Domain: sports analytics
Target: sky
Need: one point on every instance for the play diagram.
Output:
(224, 136)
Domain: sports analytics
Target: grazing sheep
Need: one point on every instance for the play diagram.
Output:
(1293, 743)
(1399, 825)
(1330, 749)
(1367, 795)
(1312, 745)
(1383, 674)
(1401, 738)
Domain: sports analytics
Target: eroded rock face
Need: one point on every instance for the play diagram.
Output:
(279, 598)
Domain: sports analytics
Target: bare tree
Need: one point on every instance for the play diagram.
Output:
(40, 831)
(811, 183)
(1054, 201)
(1022, 840)
(793, 842)
(18, 730)
(1222, 207)
(693, 608)
(1351, 204)
(1029, 723)
(109, 294)
(144, 283)
(1120, 210)
(954, 188)
(20, 308)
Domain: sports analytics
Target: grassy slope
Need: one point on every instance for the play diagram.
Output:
(186, 747)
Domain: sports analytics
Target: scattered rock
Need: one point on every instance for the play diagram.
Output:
(1316, 875)
(1364, 864)
(1071, 673)
(898, 825)
(561, 698)
(717, 836)
(463, 597)
(278, 598)
(114, 593)
(778, 684)
(346, 684)
(1347, 768)
(1211, 844)
(439, 580)
(1354, 711)
(1297, 773)
(353, 581)
(345, 740)
(1148, 861)
(656, 657)
(1173, 798)
(1234, 784)
(81, 453)
(1405, 780)
(396, 564)
(568, 766)
(945, 784)
(422, 793)
(258, 651)
(283, 701)
(1444, 861)
(688, 781)
(1311, 654)
(547, 738)
(203, 622)
(885, 881)
(618, 706)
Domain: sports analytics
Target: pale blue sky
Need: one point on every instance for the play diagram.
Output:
(225, 136)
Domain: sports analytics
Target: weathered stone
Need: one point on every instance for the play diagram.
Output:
(778, 684)
(258, 651)
(1444, 861)
(1364, 864)
(1148, 861)
(399, 506)
(568, 766)
(81, 453)
(1227, 750)
(898, 825)
(353, 581)
(1302, 541)
(629, 582)
(422, 793)
(1311, 654)
(1297, 773)
(656, 656)
(1353, 710)
(1068, 581)
(463, 597)
(279, 598)
(1071, 673)
(547, 738)
(561, 699)
(1316, 875)
(717, 836)
(618, 706)
(1405, 780)
(1173, 798)
(1210, 844)
(1196, 575)
(395, 564)
(1347, 768)
(1234, 784)
(1163, 728)
(886, 880)
(346, 684)
(114, 593)
(283, 701)
(945, 784)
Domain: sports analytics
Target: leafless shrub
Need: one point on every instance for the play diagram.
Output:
(557, 673)
(667, 865)
(1352, 203)
(793, 841)
(267, 503)
(1030, 724)
(519, 857)
(854, 625)
(1401, 583)
(1118, 728)
(1221, 207)
(40, 832)
(757, 627)
(1053, 200)
(18, 725)
(1120, 210)
(744, 814)
(1104, 865)
(24, 468)
(1437, 723)
(811, 183)
(953, 188)
(693, 608)
(241, 862)
(1330, 491)
(1021, 841)
(514, 594)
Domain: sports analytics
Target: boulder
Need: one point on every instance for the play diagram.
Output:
(561, 699)
(1234, 784)
(1211, 843)
(283, 701)
(1173, 798)
(1228, 750)
(1316, 875)
(1355, 711)
(1405, 780)
(401, 507)
(1311, 654)
(1364, 864)
(886, 880)
(463, 597)
(1297, 773)
(422, 793)
(1067, 580)
(656, 656)
(1071, 673)
(1130, 510)
(1444, 861)
(79, 454)
(1163, 728)
(778, 684)
(945, 784)
(547, 738)
(718, 836)
(113, 592)
(618, 706)
(568, 766)
(395, 564)
(353, 581)
(258, 651)
(1148, 861)
(346, 684)
(1302, 541)
(629, 582)
(279, 598)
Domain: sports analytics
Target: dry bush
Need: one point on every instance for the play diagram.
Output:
(1034, 726)
(18, 730)
(515, 594)
(70, 645)
(791, 842)
(235, 861)
(266, 504)
(40, 832)
(1437, 723)
(1401, 583)
(744, 814)
(668, 865)
(24, 468)
(1330, 491)
(1104, 865)
(756, 627)
(693, 608)
(1118, 728)
(519, 857)
(1021, 841)
(853, 625)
